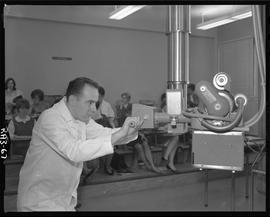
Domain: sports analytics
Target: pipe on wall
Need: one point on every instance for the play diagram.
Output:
(260, 51)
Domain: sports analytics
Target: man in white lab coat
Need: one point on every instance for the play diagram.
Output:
(62, 139)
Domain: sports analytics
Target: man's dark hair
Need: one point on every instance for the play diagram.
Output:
(22, 103)
(10, 79)
(191, 86)
(39, 93)
(75, 86)
(101, 91)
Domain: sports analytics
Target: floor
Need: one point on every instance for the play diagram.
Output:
(177, 198)
(12, 175)
(169, 197)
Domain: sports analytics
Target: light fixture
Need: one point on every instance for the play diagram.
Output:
(123, 11)
(224, 20)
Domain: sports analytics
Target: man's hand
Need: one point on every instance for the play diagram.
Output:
(129, 128)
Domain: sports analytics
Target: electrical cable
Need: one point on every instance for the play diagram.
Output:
(229, 127)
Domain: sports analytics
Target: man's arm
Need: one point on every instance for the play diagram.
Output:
(95, 130)
(53, 130)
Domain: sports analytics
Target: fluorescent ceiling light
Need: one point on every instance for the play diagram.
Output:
(123, 11)
(224, 20)
(242, 16)
(209, 25)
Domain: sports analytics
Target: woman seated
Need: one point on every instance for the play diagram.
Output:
(140, 145)
(39, 105)
(11, 93)
(143, 151)
(171, 142)
(21, 124)
(105, 117)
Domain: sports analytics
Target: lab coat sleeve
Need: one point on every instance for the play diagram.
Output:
(53, 131)
(95, 130)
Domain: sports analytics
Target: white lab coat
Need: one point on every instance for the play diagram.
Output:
(53, 164)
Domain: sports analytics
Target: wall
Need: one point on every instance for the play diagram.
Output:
(236, 42)
(119, 59)
(203, 59)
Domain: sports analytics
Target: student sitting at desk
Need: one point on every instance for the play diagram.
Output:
(11, 93)
(140, 146)
(105, 117)
(21, 124)
(39, 105)
(171, 142)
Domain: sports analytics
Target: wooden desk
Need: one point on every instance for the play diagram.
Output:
(22, 144)
(159, 132)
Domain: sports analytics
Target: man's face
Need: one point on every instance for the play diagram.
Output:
(85, 104)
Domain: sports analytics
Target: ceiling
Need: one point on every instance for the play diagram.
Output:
(151, 17)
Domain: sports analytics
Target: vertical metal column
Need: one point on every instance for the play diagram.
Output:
(247, 176)
(252, 191)
(178, 29)
(206, 189)
(233, 192)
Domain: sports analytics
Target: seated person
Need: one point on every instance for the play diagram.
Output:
(12, 108)
(11, 92)
(104, 116)
(21, 124)
(192, 98)
(144, 152)
(140, 145)
(169, 154)
(39, 105)
(171, 142)
(123, 108)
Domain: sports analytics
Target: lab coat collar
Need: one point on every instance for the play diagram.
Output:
(63, 109)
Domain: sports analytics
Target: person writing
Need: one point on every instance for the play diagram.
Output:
(63, 138)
